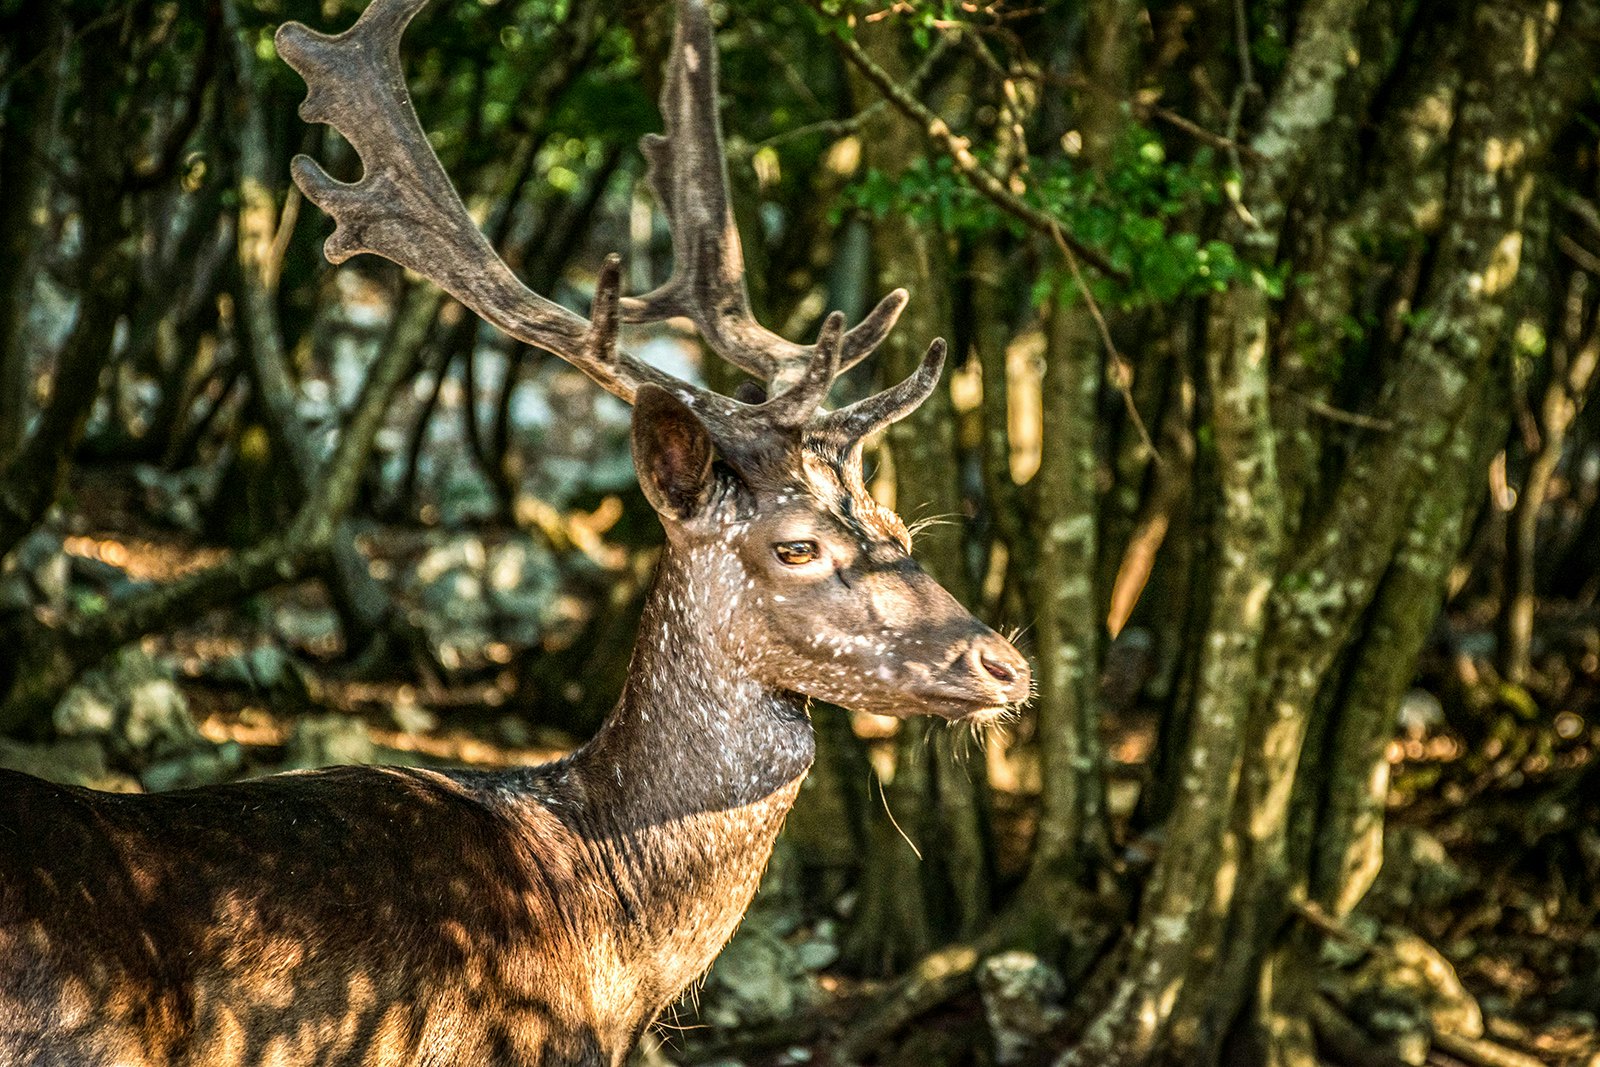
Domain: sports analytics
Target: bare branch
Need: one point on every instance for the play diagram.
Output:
(959, 149)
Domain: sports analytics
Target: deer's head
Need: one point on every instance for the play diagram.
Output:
(766, 507)
(763, 499)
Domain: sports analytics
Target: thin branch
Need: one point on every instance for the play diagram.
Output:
(1246, 88)
(163, 161)
(1582, 207)
(837, 128)
(282, 234)
(1235, 149)
(1349, 418)
(830, 128)
(1121, 371)
(1579, 254)
(1481, 1052)
(93, 25)
(959, 149)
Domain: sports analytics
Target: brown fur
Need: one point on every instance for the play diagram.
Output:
(384, 917)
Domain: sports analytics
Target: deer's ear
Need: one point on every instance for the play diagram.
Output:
(671, 453)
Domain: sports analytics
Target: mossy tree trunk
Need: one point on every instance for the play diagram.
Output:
(1330, 561)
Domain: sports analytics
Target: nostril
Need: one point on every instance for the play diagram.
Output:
(999, 670)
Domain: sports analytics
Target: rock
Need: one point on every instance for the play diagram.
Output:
(262, 669)
(83, 712)
(449, 584)
(271, 669)
(457, 594)
(329, 741)
(72, 761)
(53, 579)
(817, 954)
(110, 579)
(513, 730)
(16, 592)
(312, 628)
(758, 979)
(38, 571)
(1417, 874)
(1420, 714)
(158, 718)
(464, 496)
(205, 766)
(1022, 998)
(1581, 990)
(411, 717)
(461, 553)
(132, 708)
(523, 583)
(1341, 954)
(178, 498)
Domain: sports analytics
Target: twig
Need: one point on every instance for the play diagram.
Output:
(1234, 149)
(959, 149)
(1579, 254)
(833, 128)
(1121, 371)
(1481, 1052)
(1344, 1038)
(936, 978)
(837, 128)
(1582, 207)
(1247, 87)
(103, 19)
(991, 11)
(1149, 109)
(1313, 915)
(1241, 41)
(1349, 418)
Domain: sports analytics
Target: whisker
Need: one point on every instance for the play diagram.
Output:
(928, 522)
(884, 797)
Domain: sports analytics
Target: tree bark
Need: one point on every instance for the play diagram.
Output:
(32, 115)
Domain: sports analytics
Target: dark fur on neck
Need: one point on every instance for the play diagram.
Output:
(379, 915)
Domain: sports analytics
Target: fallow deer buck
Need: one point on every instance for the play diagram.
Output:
(542, 915)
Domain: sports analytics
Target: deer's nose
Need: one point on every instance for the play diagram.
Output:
(994, 658)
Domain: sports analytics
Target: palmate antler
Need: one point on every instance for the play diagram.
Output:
(405, 209)
(689, 175)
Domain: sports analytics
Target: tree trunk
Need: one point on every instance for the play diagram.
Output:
(31, 119)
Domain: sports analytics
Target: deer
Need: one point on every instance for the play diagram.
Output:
(533, 915)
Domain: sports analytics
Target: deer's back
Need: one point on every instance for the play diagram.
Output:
(370, 916)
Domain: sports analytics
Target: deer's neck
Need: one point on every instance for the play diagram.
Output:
(694, 733)
(680, 796)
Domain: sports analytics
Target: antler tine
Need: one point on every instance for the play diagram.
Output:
(405, 209)
(798, 404)
(873, 413)
(689, 175)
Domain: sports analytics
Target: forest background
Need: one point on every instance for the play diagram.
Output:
(1273, 325)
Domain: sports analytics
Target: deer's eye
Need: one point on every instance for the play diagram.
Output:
(795, 553)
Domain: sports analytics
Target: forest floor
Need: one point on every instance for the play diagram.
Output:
(1494, 824)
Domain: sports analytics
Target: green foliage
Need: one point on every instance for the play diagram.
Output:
(1140, 215)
